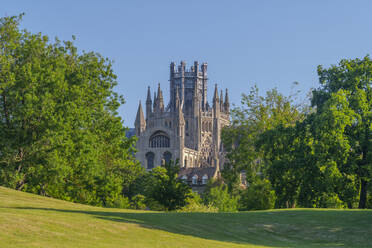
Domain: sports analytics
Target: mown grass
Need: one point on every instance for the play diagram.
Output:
(28, 220)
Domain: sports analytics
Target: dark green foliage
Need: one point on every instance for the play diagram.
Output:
(258, 196)
(319, 158)
(60, 135)
(165, 189)
(346, 95)
(138, 202)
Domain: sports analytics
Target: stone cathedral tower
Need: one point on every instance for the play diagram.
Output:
(188, 128)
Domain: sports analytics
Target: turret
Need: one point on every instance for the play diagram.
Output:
(227, 103)
(155, 101)
(204, 67)
(216, 101)
(222, 107)
(160, 99)
(148, 103)
(196, 68)
(140, 123)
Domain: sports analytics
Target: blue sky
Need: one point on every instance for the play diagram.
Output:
(268, 43)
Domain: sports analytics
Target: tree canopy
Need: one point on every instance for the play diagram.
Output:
(60, 134)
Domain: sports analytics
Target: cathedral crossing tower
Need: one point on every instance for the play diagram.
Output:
(188, 128)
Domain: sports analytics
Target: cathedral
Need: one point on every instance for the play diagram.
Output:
(187, 129)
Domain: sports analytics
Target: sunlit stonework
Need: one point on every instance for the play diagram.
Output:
(188, 128)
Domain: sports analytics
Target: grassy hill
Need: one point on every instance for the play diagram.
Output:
(27, 220)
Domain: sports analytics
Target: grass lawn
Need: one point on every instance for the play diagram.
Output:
(27, 220)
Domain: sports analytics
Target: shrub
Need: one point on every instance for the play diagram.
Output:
(195, 204)
(258, 196)
(120, 202)
(138, 202)
(219, 198)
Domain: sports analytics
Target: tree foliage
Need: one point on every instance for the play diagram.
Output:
(256, 115)
(60, 134)
(166, 188)
(318, 158)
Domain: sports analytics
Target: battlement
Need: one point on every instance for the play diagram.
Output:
(192, 71)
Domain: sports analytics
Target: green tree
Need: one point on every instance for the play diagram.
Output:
(60, 135)
(166, 188)
(350, 81)
(258, 196)
(256, 115)
(219, 198)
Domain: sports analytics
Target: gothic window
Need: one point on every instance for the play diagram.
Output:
(210, 126)
(167, 156)
(195, 179)
(204, 179)
(185, 163)
(159, 139)
(150, 160)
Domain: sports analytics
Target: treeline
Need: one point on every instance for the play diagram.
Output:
(305, 155)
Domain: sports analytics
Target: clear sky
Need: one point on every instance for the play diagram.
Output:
(268, 43)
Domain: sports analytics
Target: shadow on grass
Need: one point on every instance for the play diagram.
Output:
(288, 228)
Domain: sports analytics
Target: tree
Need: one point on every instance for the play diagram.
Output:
(350, 80)
(256, 115)
(166, 188)
(60, 135)
(219, 198)
(258, 196)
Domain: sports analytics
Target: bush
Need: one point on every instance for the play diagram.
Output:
(219, 198)
(120, 202)
(138, 202)
(195, 204)
(258, 196)
(331, 201)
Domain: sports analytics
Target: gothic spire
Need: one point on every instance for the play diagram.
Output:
(227, 102)
(159, 91)
(148, 103)
(160, 99)
(140, 122)
(148, 95)
(216, 100)
(221, 100)
(155, 101)
(215, 95)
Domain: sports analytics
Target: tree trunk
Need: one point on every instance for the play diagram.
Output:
(363, 194)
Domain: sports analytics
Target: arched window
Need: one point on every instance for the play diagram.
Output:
(204, 179)
(150, 160)
(185, 163)
(195, 179)
(159, 139)
(167, 156)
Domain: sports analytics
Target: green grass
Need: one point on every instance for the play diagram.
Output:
(27, 220)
